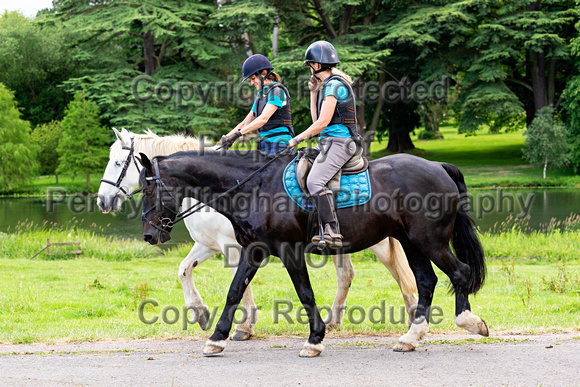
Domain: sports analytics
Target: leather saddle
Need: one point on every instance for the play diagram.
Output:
(305, 159)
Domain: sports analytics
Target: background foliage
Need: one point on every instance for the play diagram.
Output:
(173, 66)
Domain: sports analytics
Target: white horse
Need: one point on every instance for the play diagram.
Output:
(214, 234)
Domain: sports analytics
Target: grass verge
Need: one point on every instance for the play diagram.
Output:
(487, 160)
(85, 299)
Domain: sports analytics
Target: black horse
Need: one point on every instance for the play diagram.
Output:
(421, 203)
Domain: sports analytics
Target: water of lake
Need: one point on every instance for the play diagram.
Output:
(488, 208)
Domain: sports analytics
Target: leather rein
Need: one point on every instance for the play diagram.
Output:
(167, 224)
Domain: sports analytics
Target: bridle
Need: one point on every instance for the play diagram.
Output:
(130, 157)
(166, 224)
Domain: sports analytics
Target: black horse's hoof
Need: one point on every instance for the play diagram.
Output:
(484, 330)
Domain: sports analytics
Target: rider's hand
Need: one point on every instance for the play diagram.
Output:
(295, 141)
(227, 140)
(313, 84)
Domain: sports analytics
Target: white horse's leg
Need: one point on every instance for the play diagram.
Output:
(410, 340)
(216, 231)
(390, 252)
(344, 276)
(245, 329)
(198, 254)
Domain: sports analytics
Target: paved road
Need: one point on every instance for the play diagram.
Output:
(514, 360)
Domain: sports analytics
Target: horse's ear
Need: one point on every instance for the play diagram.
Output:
(145, 162)
(119, 136)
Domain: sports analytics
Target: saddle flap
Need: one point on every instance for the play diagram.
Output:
(303, 167)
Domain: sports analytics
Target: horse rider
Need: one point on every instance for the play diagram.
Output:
(333, 110)
(271, 114)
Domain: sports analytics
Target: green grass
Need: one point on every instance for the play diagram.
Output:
(487, 159)
(41, 184)
(28, 238)
(84, 299)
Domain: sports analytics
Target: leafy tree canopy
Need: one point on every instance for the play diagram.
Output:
(17, 155)
(546, 140)
(83, 146)
(34, 61)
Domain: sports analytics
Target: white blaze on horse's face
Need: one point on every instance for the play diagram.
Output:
(110, 197)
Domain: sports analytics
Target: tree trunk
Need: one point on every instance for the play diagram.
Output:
(325, 20)
(551, 86)
(362, 126)
(538, 68)
(400, 142)
(275, 36)
(56, 177)
(88, 179)
(246, 40)
(345, 23)
(529, 98)
(545, 166)
(403, 119)
(149, 53)
(360, 111)
(380, 104)
(368, 19)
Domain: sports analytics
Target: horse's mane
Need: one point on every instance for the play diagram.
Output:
(251, 154)
(154, 145)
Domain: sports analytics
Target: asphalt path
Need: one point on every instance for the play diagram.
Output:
(441, 360)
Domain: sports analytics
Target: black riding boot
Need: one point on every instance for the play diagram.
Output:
(324, 201)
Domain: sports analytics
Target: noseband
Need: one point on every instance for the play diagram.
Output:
(124, 171)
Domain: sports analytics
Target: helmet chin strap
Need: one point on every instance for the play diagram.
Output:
(262, 79)
(314, 72)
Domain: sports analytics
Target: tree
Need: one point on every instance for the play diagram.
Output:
(522, 63)
(546, 140)
(572, 104)
(46, 138)
(134, 55)
(17, 154)
(507, 59)
(83, 146)
(298, 23)
(34, 61)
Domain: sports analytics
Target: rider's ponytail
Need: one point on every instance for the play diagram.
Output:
(336, 71)
(274, 77)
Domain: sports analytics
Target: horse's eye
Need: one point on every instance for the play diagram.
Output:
(148, 192)
(117, 163)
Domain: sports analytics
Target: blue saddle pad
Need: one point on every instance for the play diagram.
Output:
(354, 189)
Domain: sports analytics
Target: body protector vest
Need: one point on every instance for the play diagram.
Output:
(281, 117)
(345, 112)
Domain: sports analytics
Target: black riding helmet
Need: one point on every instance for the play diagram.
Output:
(254, 65)
(321, 52)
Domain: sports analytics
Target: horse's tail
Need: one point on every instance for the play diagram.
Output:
(401, 266)
(391, 254)
(466, 244)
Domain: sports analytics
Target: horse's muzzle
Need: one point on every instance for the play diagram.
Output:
(155, 237)
(149, 237)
